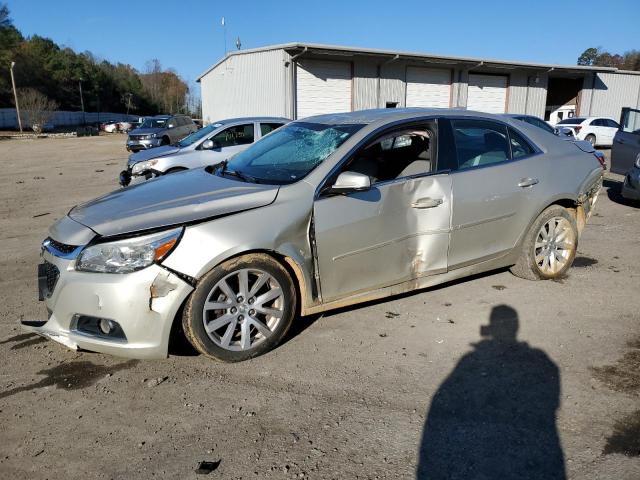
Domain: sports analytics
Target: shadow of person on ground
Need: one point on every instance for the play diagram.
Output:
(494, 417)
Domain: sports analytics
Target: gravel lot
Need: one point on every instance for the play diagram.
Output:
(357, 393)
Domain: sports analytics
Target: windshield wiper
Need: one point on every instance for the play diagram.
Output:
(240, 175)
(235, 173)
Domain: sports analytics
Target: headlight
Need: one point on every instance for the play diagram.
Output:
(153, 135)
(638, 161)
(125, 256)
(143, 166)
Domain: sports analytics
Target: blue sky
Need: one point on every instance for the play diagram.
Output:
(187, 35)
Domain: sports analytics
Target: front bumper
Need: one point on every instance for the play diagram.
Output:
(137, 145)
(127, 178)
(143, 303)
(631, 185)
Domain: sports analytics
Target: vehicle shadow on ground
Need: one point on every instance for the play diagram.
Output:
(24, 340)
(71, 376)
(495, 414)
(614, 189)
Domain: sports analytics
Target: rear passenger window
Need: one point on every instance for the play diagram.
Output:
(519, 146)
(266, 128)
(480, 142)
(540, 124)
(238, 135)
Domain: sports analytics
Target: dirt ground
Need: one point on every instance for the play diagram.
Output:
(435, 381)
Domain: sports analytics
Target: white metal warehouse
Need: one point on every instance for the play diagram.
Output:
(298, 80)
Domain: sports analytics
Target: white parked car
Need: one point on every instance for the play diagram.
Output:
(595, 130)
(116, 127)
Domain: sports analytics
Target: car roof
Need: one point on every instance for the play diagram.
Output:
(519, 115)
(386, 115)
(228, 121)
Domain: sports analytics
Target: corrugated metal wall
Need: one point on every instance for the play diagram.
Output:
(246, 85)
(365, 84)
(392, 83)
(609, 93)
(262, 83)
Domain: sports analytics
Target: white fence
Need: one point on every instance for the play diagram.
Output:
(8, 118)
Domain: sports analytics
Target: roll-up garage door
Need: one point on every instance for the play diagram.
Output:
(323, 87)
(487, 93)
(428, 87)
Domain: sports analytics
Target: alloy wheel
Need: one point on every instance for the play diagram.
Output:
(554, 245)
(243, 309)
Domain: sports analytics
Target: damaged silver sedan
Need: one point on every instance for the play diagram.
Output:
(325, 212)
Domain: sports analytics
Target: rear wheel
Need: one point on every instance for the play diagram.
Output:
(549, 247)
(241, 309)
(591, 139)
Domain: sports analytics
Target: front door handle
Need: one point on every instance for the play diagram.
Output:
(528, 182)
(427, 202)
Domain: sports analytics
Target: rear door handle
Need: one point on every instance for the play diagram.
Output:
(427, 202)
(528, 182)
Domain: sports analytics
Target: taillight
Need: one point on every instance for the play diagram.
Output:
(577, 129)
(601, 159)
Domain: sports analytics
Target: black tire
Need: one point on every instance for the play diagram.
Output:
(165, 141)
(527, 267)
(193, 315)
(591, 139)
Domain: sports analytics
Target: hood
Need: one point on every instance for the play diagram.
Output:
(171, 200)
(145, 131)
(156, 152)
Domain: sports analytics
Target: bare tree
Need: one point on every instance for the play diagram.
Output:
(36, 109)
(126, 98)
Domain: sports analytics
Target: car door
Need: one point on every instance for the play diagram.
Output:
(612, 127)
(626, 143)
(228, 142)
(395, 231)
(491, 189)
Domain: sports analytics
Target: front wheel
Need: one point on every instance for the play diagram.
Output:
(240, 309)
(549, 246)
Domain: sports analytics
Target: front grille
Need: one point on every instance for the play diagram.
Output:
(137, 137)
(52, 273)
(62, 247)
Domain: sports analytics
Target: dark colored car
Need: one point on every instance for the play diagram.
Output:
(625, 153)
(160, 130)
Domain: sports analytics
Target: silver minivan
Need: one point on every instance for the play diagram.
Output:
(210, 145)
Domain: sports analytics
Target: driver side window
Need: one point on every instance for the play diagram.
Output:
(397, 154)
(238, 135)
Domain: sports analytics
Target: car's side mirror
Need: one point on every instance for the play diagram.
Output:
(351, 182)
(210, 145)
(171, 125)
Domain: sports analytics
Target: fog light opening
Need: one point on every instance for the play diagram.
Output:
(106, 326)
(98, 327)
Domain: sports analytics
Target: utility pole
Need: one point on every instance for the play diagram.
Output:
(224, 28)
(84, 121)
(15, 96)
